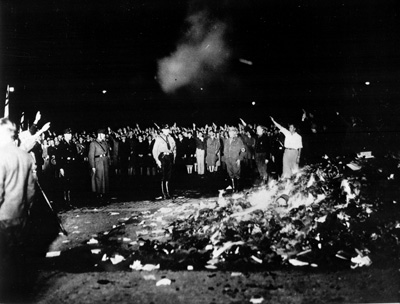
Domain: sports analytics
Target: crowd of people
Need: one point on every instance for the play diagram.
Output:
(86, 159)
(74, 159)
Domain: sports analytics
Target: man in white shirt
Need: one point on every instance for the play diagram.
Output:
(164, 153)
(293, 145)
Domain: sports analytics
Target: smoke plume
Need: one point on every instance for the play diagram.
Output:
(199, 57)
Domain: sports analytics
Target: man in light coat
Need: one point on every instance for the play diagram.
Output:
(17, 190)
(234, 150)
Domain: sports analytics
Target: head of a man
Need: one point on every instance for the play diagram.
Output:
(292, 128)
(101, 134)
(260, 130)
(165, 130)
(211, 133)
(232, 131)
(67, 134)
(7, 131)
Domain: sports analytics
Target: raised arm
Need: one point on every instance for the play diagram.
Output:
(276, 124)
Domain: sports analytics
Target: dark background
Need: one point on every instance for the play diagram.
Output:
(317, 55)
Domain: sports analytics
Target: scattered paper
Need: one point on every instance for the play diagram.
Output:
(149, 277)
(93, 241)
(256, 259)
(52, 254)
(353, 166)
(257, 300)
(295, 262)
(117, 259)
(163, 282)
(137, 265)
(211, 267)
(150, 267)
(360, 261)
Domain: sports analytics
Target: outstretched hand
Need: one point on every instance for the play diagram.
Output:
(46, 127)
(37, 117)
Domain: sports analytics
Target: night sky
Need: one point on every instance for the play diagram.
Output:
(199, 61)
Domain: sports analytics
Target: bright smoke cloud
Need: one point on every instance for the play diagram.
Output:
(201, 56)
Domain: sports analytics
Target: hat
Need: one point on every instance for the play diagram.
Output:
(67, 131)
(101, 131)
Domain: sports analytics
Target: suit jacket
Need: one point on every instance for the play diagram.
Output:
(17, 182)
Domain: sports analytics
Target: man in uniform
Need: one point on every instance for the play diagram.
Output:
(164, 152)
(68, 165)
(262, 153)
(17, 189)
(234, 150)
(99, 161)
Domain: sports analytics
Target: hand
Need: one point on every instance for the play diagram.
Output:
(37, 117)
(158, 163)
(45, 127)
(238, 162)
(304, 115)
(272, 119)
(62, 172)
(266, 161)
(297, 160)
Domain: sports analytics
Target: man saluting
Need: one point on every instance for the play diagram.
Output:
(293, 145)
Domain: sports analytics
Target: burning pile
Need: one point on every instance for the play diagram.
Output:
(338, 213)
(330, 214)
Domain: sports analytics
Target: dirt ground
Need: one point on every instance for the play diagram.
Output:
(81, 274)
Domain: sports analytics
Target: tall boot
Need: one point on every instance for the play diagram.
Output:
(67, 199)
(167, 195)
(237, 185)
(233, 185)
(163, 190)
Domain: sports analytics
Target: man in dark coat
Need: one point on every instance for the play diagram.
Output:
(99, 161)
(262, 153)
(67, 162)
